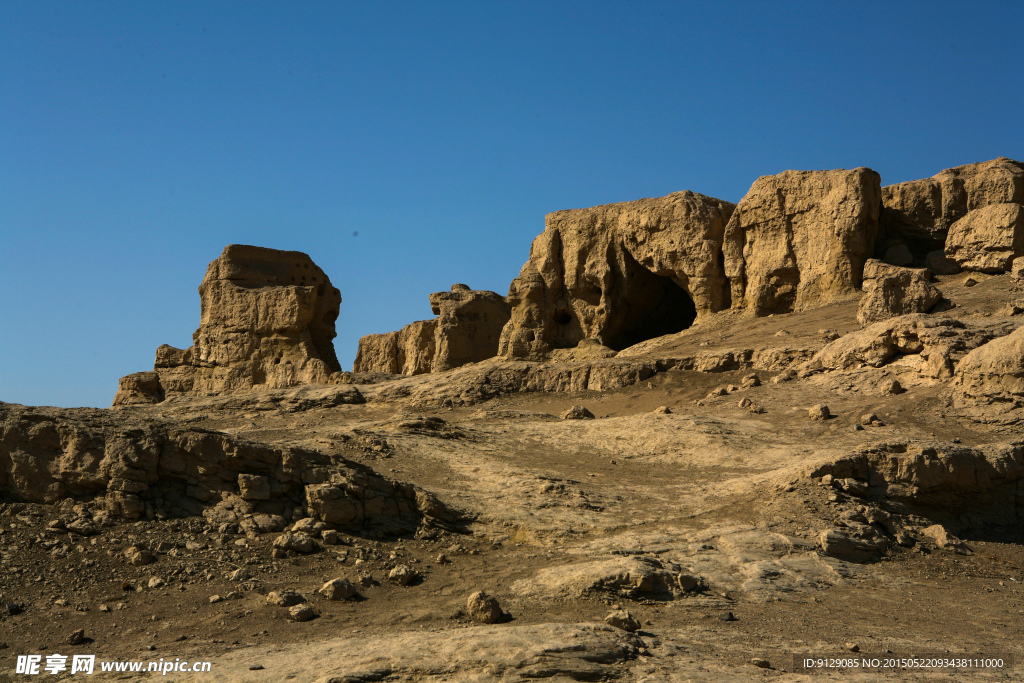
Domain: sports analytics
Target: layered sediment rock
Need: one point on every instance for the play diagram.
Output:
(801, 238)
(466, 330)
(148, 468)
(619, 274)
(267, 321)
(920, 213)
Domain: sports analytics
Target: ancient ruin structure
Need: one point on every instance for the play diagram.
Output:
(267, 321)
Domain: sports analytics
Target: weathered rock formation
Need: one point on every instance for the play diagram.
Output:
(947, 481)
(800, 239)
(920, 213)
(987, 239)
(267, 321)
(147, 468)
(408, 351)
(466, 330)
(890, 291)
(939, 344)
(992, 375)
(619, 274)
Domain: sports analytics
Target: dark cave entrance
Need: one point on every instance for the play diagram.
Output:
(652, 306)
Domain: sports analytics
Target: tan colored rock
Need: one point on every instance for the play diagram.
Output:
(484, 608)
(623, 620)
(267, 321)
(921, 212)
(466, 330)
(138, 388)
(892, 291)
(992, 374)
(409, 351)
(338, 589)
(618, 274)
(987, 239)
(800, 239)
(577, 413)
(469, 326)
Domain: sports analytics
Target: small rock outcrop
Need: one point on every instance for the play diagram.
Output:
(987, 239)
(267, 321)
(618, 274)
(146, 468)
(891, 291)
(920, 213)
(466, 330)
(801, 238)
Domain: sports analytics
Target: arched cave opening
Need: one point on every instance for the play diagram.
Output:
(651, 306)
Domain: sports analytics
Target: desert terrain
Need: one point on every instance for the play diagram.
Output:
(820, 457)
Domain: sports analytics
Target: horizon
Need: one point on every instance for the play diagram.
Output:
(407, 148)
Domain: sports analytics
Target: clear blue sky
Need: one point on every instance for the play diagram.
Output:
(137, 139)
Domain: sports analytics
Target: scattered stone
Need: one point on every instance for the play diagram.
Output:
(943, 539)
(302, 612)
(76, 638)
(403, 575)
(577, 413)
(727, 616)
(623, 620)
(852, 647)
(761, 663)
(338, 589)
(868, 419)
(216, 598)
(139, 556)
(240, 574)
(443, 559)
(285, 598)
(366, 580)
(890, 387)
(663, 410)
(104, 608)
(155, 582)
(484, 608)
(750, 381)
(330, 536)
(296, 542)
(970, 282)
(718, 391)
(819, 412)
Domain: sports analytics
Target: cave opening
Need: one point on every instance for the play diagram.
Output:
(652, 306)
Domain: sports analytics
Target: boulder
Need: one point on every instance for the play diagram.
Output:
(484, 608)
(992, 374)
(338, 589)
(618, 274)
(891, 291)
(987, 239)
(800, 239)
(267, 321)
(623, 620)
(850, 546)
(466, 330)
(921, 212)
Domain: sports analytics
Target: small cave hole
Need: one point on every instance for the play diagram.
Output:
(564, 319)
